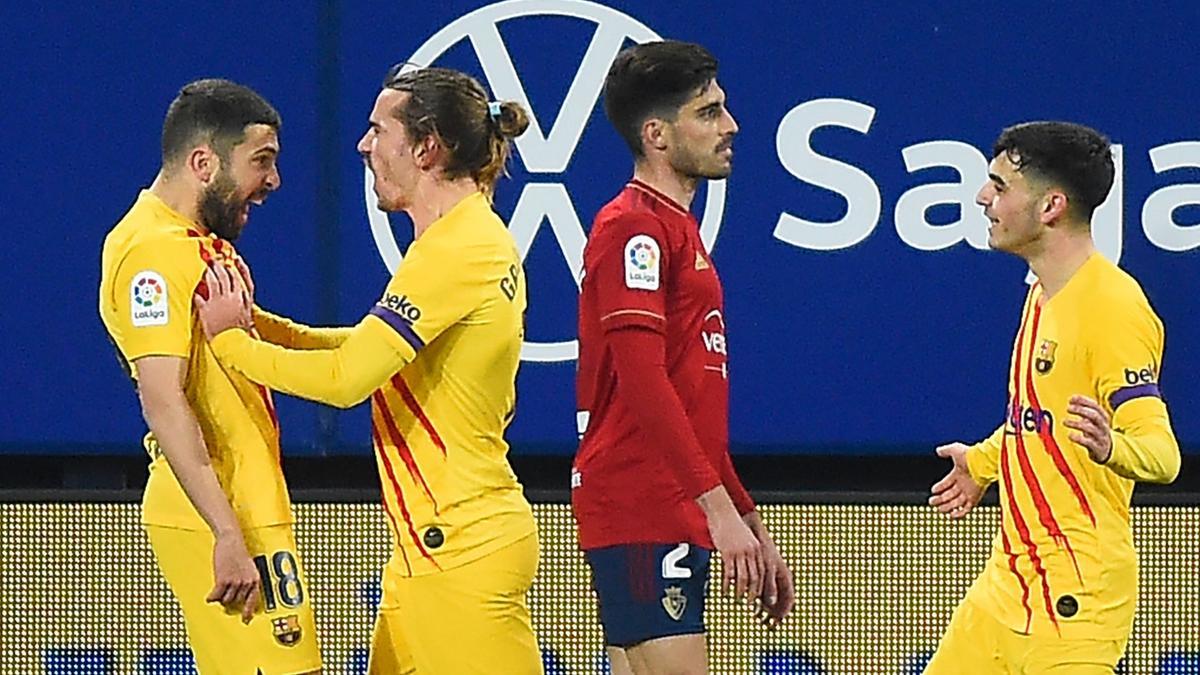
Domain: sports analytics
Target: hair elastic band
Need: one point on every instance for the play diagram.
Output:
(494, 109)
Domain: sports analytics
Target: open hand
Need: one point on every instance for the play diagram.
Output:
(228, 302)
(957, 493)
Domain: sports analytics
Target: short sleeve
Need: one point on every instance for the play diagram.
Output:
(627, 273)
(153, 290)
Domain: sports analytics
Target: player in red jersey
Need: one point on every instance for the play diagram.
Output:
(653, 488)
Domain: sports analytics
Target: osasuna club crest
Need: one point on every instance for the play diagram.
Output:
(1044, 360)
(674, 602)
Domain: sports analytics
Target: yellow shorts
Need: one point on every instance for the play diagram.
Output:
(466, 620)
(977, 643)
(282, 636)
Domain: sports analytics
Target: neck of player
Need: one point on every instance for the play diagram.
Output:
(663, 177)
(435, 198)
(1059, 256)
(179, 196)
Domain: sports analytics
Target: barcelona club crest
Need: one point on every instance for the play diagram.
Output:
(287, 630)
(1044, 360)
(674, 602)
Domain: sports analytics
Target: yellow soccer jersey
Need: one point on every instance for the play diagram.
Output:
(438, 357)
(152, 262)
(1063, 562)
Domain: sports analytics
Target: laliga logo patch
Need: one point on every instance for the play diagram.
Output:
(287, 630)
(674, 602)
(1045, 356)
(148, 299)
(641, 263)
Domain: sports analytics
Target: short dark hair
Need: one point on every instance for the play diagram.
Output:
(214, 111)
(454, 107)
(1076, 157)
(654, 79)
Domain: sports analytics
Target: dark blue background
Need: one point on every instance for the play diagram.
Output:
(878, 347)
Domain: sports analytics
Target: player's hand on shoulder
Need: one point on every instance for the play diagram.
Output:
(237, 584)
(957, 493)
(741, 556)
(227, 304)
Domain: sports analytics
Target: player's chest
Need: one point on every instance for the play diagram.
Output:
(1051, 362)
(693, 283)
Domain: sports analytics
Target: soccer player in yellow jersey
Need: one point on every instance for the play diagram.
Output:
(438, 357)
(1084, 421)
(216, 508)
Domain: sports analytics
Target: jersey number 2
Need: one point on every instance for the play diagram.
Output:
(671, 569)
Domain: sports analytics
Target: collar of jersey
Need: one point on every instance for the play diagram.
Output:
(461, 211)
(666, 201)
(175, 218)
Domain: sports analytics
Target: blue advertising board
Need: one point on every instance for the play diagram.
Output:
(864, 313)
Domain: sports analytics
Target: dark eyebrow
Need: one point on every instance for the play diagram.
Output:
(266, 151)
(997, 179)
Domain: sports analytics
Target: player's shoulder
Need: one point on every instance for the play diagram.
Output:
(170, 251)
(1117, 295)
(627, 215)
(1114, 286)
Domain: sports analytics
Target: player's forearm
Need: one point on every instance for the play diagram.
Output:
(1144, 446)
(717, 505)
(178, 435)
(983, 458)
(287, 333)
(340, 377)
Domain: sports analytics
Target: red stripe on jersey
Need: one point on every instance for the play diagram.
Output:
(1047, 436)
(411, 401)
(1045, 513)
(270, 404)
(379, 452)
(402, 448)
(412, 532)
(1023, 531)
(1015, 419)
(266, 399)
(1012, 565)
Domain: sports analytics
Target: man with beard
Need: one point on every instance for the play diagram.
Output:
(653, 487)
(438, 357)
(216, 491)
(1084, 421)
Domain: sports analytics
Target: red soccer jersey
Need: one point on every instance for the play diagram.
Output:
(645, 266)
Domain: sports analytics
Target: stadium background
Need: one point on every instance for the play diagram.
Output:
(857, 341)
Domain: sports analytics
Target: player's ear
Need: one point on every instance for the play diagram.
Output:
(654, 134)
(426, 152)
(203, 163)
(1054, 206)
